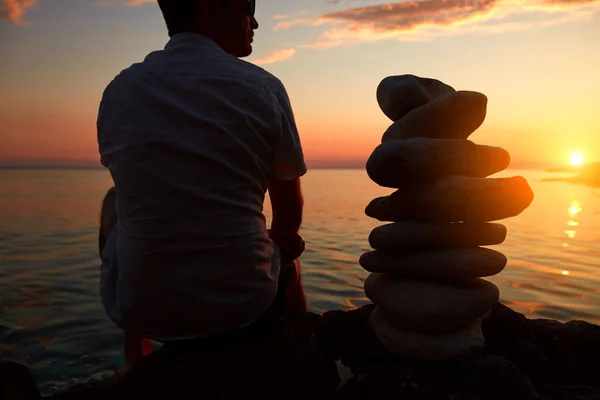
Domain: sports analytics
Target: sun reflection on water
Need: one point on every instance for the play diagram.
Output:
(574, 209)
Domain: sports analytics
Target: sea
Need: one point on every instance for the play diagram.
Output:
(51, 318)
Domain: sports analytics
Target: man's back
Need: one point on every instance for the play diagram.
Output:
(192, 137)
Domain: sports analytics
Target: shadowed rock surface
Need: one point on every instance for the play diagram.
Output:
(430, 306)
(402, 236)
(453, 116)
(455, 198)
(441, 263)
(523, 359)
(396, 163)
(435, 346)
(398, 95)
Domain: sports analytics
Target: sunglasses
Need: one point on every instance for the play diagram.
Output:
(251, 7)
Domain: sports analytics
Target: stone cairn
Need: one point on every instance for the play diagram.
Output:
(427, 265)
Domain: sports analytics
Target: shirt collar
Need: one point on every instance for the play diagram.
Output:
(191, 40)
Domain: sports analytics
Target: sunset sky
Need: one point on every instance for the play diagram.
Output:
(537, 61)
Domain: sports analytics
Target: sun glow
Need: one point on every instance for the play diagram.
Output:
(576, 159)
(575, 208)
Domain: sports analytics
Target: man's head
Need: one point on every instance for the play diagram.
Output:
(229, 23)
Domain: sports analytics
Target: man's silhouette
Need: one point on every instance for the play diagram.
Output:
(193, 138)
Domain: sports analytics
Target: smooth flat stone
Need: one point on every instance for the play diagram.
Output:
(460, 263)
(431, 306)
(426, 346)
(455, 198)
(454, 116)
(398, 95)
(401, 236)
(398, 162)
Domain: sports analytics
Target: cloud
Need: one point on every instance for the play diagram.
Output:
(427, 19)
(131, 3)
(14, 10)
(276, 56)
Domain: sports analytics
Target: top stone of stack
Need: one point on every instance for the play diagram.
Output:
(423, 107)
(398, 95)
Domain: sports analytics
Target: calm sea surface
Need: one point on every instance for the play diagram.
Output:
(50, 313)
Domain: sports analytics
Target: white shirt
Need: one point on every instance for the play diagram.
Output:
(191, 137)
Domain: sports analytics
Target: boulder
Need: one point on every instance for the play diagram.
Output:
(397, 95)
(459, 263)
(431, 306)
(453, 116)
(17, 382)
(455, 198)
(402, 236)
(426, 346)
(399, 162)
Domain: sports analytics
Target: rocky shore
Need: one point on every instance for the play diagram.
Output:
(301, 357)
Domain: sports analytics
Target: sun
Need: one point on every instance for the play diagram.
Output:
(576, 159)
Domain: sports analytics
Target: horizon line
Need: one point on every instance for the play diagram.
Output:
(316, 167)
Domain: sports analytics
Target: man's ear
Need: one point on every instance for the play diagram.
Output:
(208, 14)
(219, 11)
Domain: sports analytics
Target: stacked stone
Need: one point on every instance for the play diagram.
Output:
(428, 263)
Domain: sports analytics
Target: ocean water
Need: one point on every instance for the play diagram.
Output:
(52, 320)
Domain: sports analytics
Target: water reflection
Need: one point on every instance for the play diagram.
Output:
(574, 209)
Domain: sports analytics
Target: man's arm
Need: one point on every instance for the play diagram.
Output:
(284, 186)
(287, 204)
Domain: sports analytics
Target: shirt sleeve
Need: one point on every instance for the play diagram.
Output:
(289, 161)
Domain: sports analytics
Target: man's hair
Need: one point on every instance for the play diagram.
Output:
(179, 14)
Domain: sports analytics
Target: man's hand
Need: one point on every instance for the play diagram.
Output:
(291, 247)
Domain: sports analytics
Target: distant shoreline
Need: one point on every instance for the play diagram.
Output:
(310, 167)
(588, 175)
(349, 168)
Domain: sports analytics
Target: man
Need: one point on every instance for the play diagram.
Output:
(193, 138)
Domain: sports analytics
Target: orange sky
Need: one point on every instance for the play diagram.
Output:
(537, 62)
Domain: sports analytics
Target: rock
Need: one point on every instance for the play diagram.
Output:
(398, 162)
(575, 392)
(573, 347)
(551, 353)
(17, 382)
(453, 116)
(490, 378)
(507, 335)
(397, 95)
(431, 306)
(346, 335)
(401, 236)
(426, 346)
(479, 377)
(461, 263)
(455, 198)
